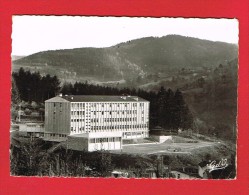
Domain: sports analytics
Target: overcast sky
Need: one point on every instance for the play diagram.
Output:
(32, 34)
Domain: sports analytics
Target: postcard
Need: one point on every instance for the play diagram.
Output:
(141, 99)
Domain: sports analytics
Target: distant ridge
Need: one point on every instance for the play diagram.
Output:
(136, 57)
(16, 57)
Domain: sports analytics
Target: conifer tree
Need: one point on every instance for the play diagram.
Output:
(182, 117)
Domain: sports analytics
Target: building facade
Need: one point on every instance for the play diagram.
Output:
(95, 141)
(31, 129)
(97, 115)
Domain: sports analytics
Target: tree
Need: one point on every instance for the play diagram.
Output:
(105, 164)
(67, 89)
(34, 87)
(140, 167)
(34, 105)
(55, 85)
(15, 96)
(169, 109)
(26, 158)
(165, 101)
(161, 100)
(182, 117)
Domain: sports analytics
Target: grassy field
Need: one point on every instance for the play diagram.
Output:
(181, 152)
(165, 148)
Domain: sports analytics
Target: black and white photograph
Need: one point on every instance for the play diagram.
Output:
(124, 97)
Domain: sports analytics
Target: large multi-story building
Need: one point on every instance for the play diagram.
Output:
(103, 121)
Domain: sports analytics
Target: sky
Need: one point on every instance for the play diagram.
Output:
(32, 34)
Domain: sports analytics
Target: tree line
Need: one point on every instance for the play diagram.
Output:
(34, 87)
(167, 107)
(32, 157)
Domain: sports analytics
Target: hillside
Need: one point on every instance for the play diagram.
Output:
(213, 99)
(141, 57)
(211, 94)
(205, 72)
(14, 57)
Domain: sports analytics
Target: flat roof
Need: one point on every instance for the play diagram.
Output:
(101, 134)
(96, 98)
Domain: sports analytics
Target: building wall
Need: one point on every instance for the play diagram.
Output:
(84, 143)
(96, 141)
(31, 127)
(63, 117)
(132, 118)
(104, 141)
(162, 139)
(114, 143)
(57, 118)
(78, 118)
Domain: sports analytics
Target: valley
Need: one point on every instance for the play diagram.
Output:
(204, 71)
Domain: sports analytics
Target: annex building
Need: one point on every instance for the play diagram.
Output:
(94, 122)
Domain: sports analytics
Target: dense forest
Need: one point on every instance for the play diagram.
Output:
(167, 108)
(34, 87)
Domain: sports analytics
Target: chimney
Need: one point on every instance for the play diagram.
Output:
(136, 98)
(123, 97)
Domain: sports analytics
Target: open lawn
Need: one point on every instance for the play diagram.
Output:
(165, 148)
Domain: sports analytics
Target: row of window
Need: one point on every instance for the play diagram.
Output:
(79, 128)
(77, 112)
(56, 135)
(73, 129)
(78, 105)
(132, 133)
(121, 119)
(82, 105)
(101, 140)
(78, 120)
(103, 112)
(119, 127)
(96, 120)
(59, 104)
(34, 125)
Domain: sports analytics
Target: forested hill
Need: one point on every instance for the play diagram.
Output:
(136, 57)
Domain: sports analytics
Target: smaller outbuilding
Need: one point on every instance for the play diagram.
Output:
(95, 141)
(31, 129)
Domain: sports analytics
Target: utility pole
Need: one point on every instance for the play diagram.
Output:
(19, 113)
